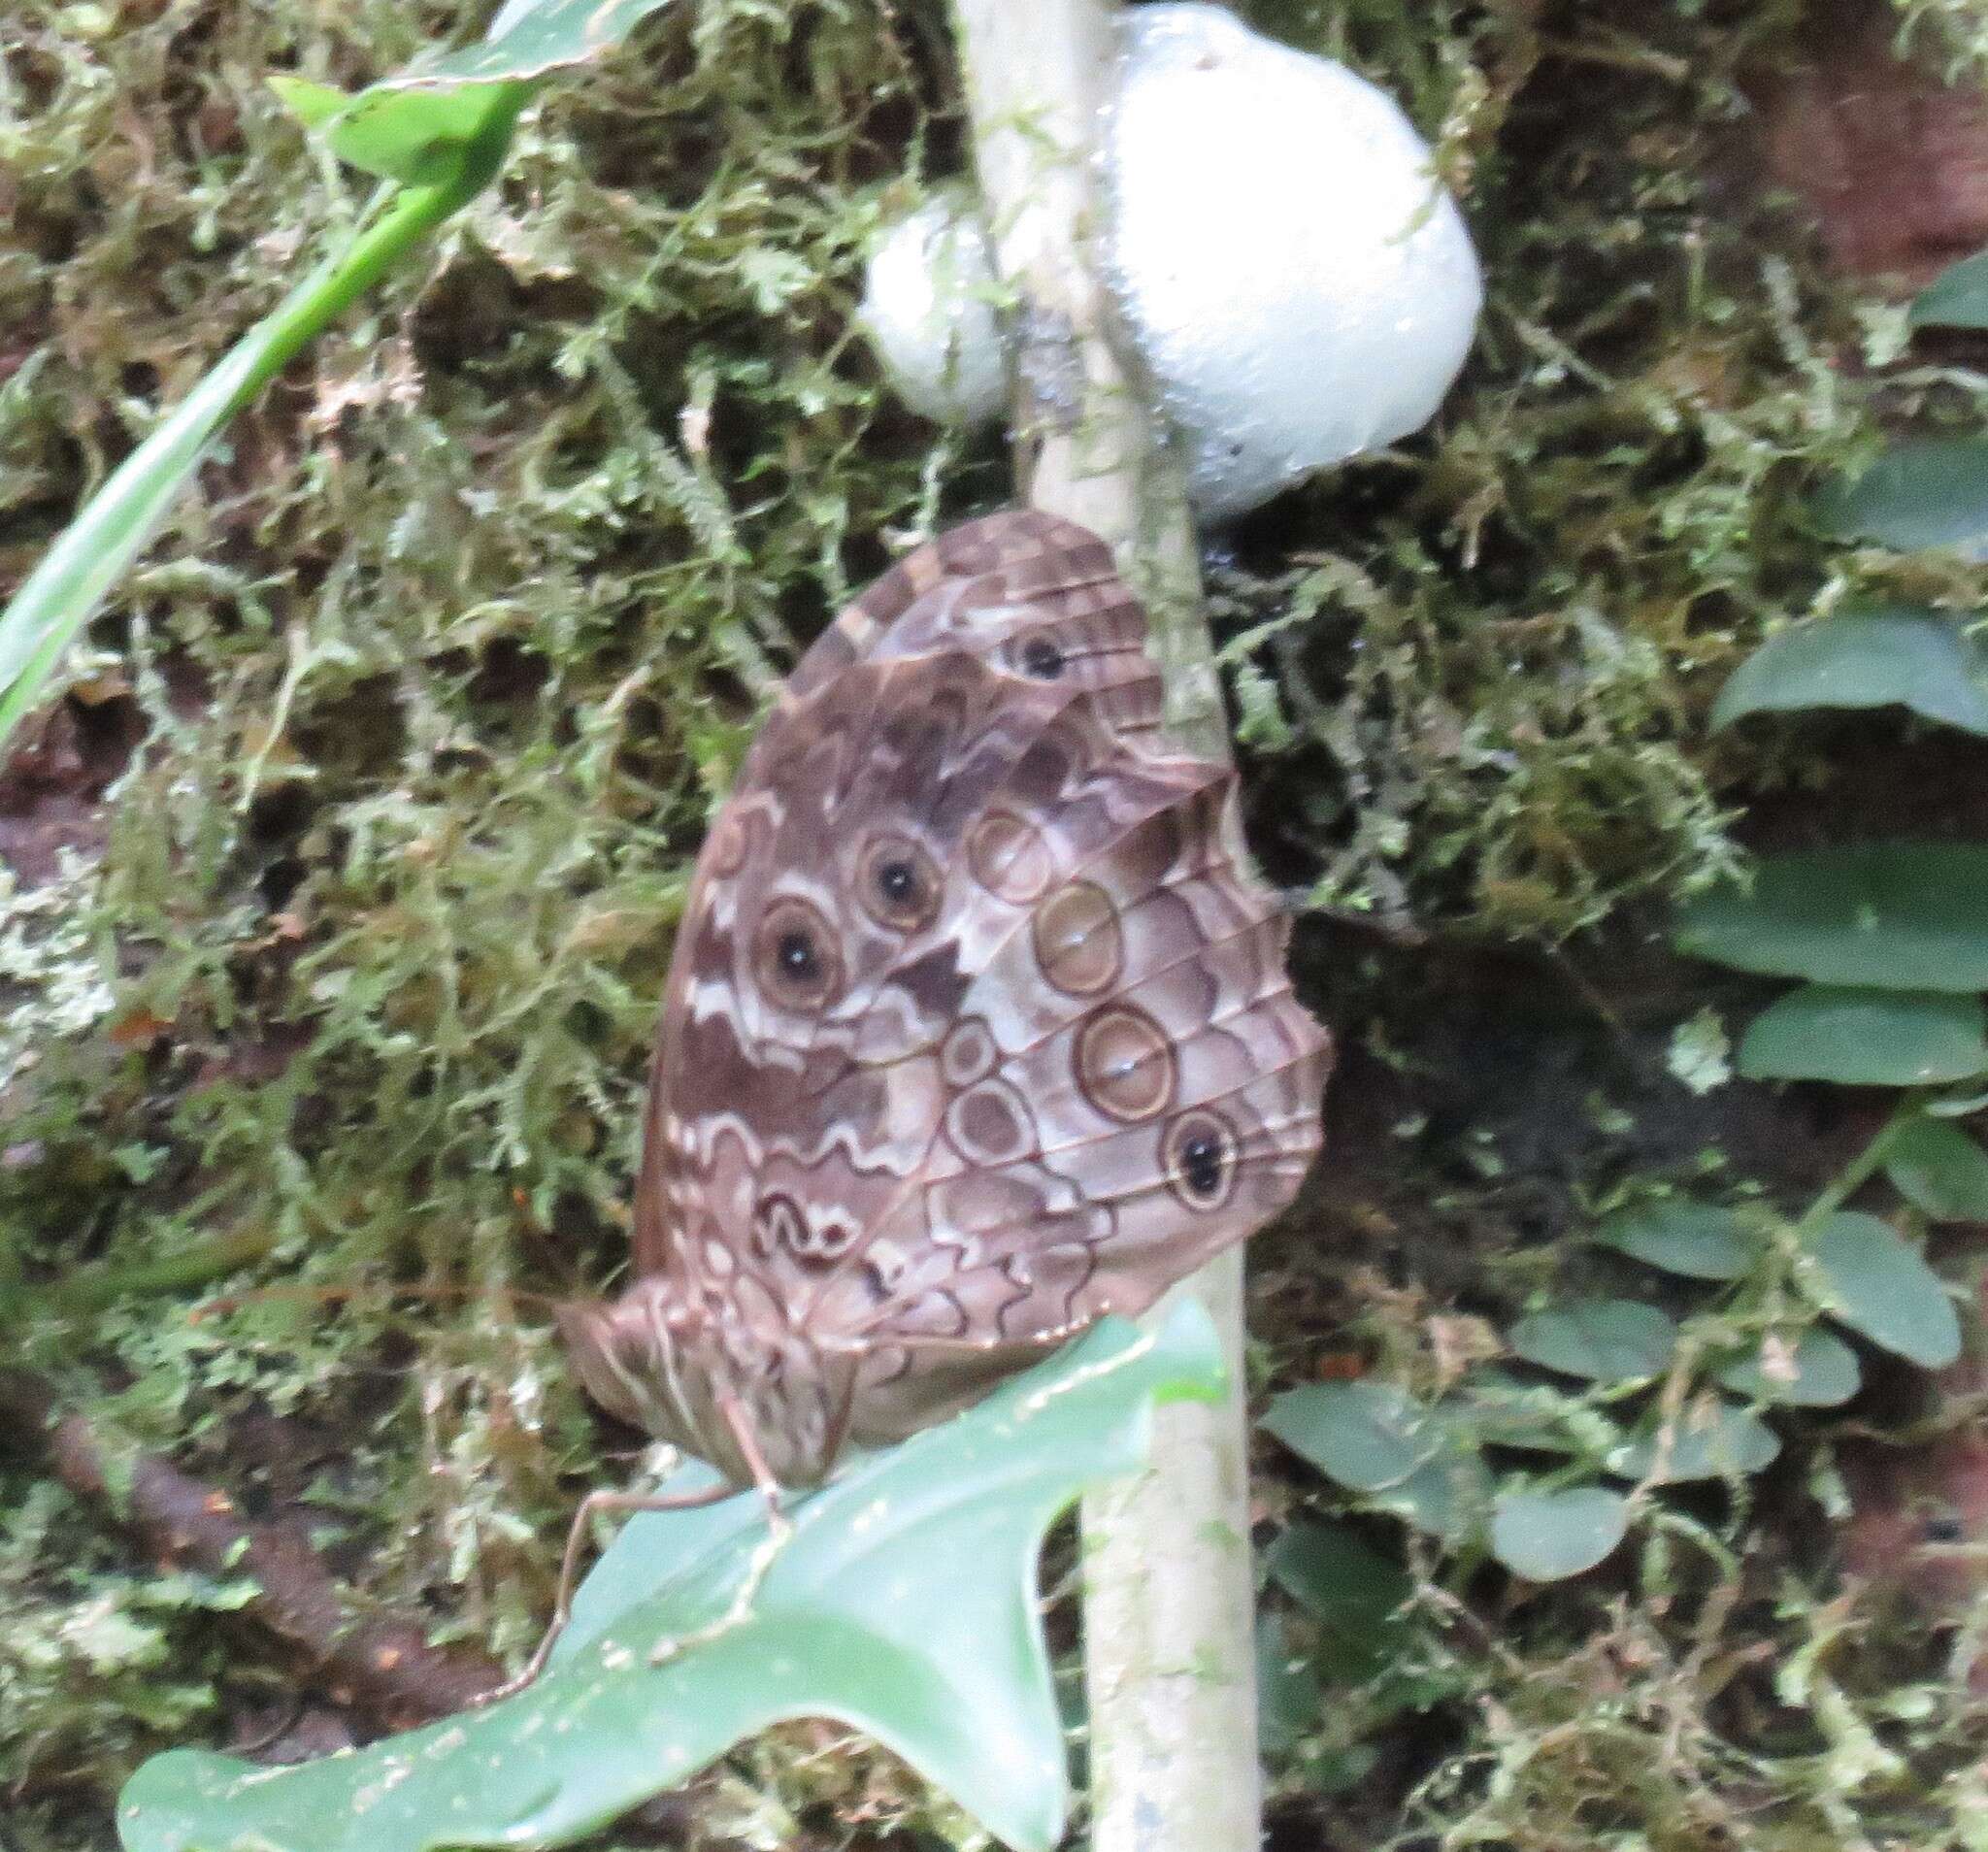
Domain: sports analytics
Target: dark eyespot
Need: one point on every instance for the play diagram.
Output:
(898, 883)
(795, 957)
(1200, 1156)
(1201, 1163)
(1945, 1528)
(1041, 658)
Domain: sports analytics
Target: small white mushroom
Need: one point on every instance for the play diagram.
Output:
(1301, 284)
(928, 308)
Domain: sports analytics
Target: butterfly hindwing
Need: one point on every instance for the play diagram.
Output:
(977, 1024)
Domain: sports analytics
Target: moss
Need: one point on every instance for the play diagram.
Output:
(444, 665)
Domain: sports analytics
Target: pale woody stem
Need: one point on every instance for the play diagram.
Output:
(1168, 1604)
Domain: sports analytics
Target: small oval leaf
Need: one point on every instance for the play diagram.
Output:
(1866, 1276)
(1891, 655)
(1864, 1038)
(1818, 1371)
(1707, 1440)
(1603, 1339)
(1367, 1436)
(1924, 493)
(1939, 1170)
(1546, 1536)
(1957, 298)
(1353, 1593)
(1889, 916)
(1447, 1496)
(1693, 1239)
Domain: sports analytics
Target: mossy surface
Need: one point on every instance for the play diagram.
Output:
(357, 964)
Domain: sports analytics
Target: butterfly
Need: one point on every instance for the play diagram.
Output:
(976, 1028)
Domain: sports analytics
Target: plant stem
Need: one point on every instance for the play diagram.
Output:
(96, 1287)
(1169, 1609)
(1861, 1169)
(88, 558)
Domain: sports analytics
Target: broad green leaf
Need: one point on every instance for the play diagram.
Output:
(1693, 1239)
(1354, 1594)
(1939, 1168)
(1546, 1536)
(1709, 1440)
(1866, 1276)
(1603, 1339)
(1894, 655)
(1891, 916)
(1924, 493)
(419, 124)
(1818, 1371)
(1367, 1436)
(1957, 298)
(903, 1603)
(1866, 1038)
(419, 137)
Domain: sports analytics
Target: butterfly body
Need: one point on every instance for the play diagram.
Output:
(976, 1028)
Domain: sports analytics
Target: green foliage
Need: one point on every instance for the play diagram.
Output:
(1877, 1285)
(441, 136)
(1683, 1237)
(1922, 492)
(443, 665)
(1866, 1038)
(1548, 1535)
(1889, 655)
(1886, 915)
(1936, 1167)
(699, 1628)
(1958, 298)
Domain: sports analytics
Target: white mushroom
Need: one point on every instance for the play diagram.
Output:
(1301, 284)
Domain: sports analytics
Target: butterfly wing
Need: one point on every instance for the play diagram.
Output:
(978, 1024)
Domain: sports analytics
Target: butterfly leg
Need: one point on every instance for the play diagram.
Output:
(597, 1501)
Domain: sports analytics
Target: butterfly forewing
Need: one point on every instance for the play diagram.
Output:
(977, 1024)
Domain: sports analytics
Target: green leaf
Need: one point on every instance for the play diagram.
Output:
(904, 1603)
(1925, 492)
(1893, 655)
(1354, 1592)
(313, 103)
(1368, 1435)
(1289, 1697)
(1867, 1276)
(1891, 916)
(1681, 1237)
(1818, 1371)
(1546, 1536)
(421, 124)
(1710, 1439)
(1500, 1411)
(71, 579)
(1446, 1496)
(417, 137)
(1936, 1167)
(1866, 1038)
(1957, 298)
(1603, 1339)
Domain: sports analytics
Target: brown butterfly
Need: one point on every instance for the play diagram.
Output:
(978, 1025)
